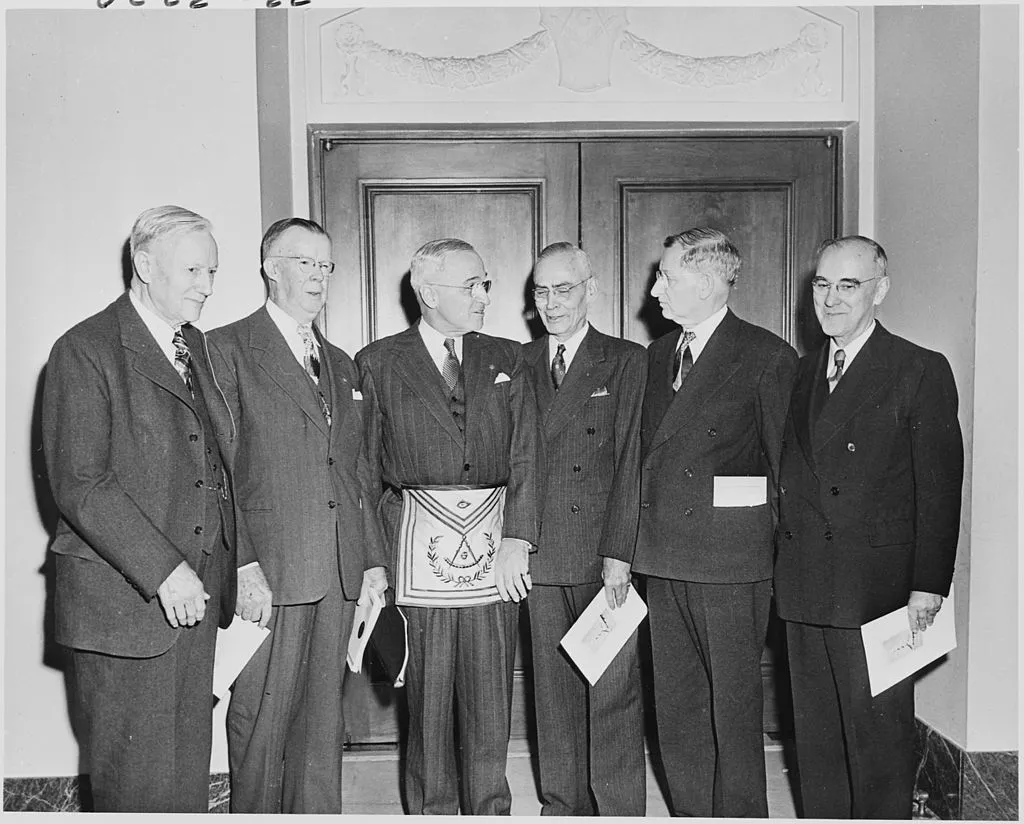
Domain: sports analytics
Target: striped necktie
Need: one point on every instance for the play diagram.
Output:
(450, 367)
(183, 360)
(683, 360)
(833, 379)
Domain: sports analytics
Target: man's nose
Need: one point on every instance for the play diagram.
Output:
(205, 283)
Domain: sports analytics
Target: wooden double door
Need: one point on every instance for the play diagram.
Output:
(380, 196)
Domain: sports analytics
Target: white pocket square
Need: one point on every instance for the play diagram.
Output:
(357, 395)
(502, 378)
(600, 393)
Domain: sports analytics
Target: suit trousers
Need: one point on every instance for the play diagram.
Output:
(591, 738)
(286, 727)
(145, 724)
(707, 641)
(460, 658)
(855, 753)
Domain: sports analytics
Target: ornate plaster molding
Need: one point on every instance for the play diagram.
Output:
(584, 39)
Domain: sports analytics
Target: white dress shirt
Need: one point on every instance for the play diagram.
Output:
(157, 326)
(851, 349)
(290, 330)
(434, 341)
(703, 331)
(572, 346)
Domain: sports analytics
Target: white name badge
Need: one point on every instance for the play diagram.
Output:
(740, 490)
(447, 543)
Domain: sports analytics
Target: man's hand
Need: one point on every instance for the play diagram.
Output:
(183, 597)
(375, 578)
(616, 581)
(512, 569)
(255, 600)
(922, 607)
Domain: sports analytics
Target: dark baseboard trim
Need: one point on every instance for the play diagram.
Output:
(964, 785)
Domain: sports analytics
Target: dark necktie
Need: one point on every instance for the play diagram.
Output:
(450, 367)
(310, 361)
(683, 359)
(558, 366)
(833, 379)
(183, 360)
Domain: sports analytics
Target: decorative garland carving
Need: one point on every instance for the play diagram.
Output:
(725, 70)
(462, 73)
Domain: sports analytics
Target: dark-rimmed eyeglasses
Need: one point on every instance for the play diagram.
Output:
(846, 286)
(307, 265)
(559, 292)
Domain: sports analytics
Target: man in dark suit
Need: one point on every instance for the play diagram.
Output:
(871, 479)
(452, 427)
(133, 425)
(717, 394)
(309, 544)
(589, 389)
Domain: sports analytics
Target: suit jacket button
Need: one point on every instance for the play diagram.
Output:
(577, 468)
(193, 437)
(688, 472)
(331, 504)
(828, 535)
(851, 447)
(330, 461)
(199, 484)
(712, 432)
(591, 430)
(465, 467)
(834, 490)
(687, 512)
(574, 509)
(198, 530)
(789, 535)
(645, 505)
(782, 490)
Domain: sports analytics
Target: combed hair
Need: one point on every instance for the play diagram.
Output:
(580, 259)
(879, 257)
(429, 258)
(277, 229)
(161, 221)
(708, 251)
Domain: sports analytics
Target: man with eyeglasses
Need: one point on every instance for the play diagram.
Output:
(589, 389)
(133, 430)
(452, 434)
(717, 394)
(872, 468)
(309, 542)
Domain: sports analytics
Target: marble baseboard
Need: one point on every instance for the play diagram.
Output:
(965, 785)
(71, 795)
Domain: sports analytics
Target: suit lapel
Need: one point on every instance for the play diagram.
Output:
(802, 406)
(276, 359)
(148, 358)
(587, 373)
(536, 355)
(417, 371)
(718, 362)
(869, 374)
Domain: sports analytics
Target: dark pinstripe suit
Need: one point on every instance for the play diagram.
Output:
(591, 738)
(413, 439)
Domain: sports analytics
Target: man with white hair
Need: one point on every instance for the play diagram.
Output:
(133, 430)
(452, 434)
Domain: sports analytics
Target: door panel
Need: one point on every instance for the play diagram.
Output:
(381, 201)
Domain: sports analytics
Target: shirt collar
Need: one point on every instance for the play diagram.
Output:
(850, 350)
(572, 345)
(434, 341)
(289, 330)
(704, 330)
(161, 330)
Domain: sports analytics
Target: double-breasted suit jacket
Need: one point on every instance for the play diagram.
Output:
(414, 439)
(303, 488)
(871, 480)
(725, 420)
(130, 465)
(591, 456)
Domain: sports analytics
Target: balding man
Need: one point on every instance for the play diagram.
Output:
(872, 469)
(717, 394)
(134, 426)
(309, 542)
(452, 433)
(589, 389)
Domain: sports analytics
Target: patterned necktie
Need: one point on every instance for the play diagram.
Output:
(558, 367)
(833, 379)
(310, 361)
(183, 360)
(450, 367)
(683, 359)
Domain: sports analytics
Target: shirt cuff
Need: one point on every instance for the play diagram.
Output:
(526, 545)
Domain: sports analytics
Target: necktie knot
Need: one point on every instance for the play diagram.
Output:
(183, 360)
(450, 367)
(558, 366)
(840, 359)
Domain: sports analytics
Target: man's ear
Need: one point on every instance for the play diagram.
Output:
(706, 286)
(881, 290)
(428, 295)
(143, 263)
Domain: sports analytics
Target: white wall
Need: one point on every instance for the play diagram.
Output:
(107, 114)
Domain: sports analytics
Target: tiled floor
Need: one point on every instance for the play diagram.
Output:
(371, 783)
